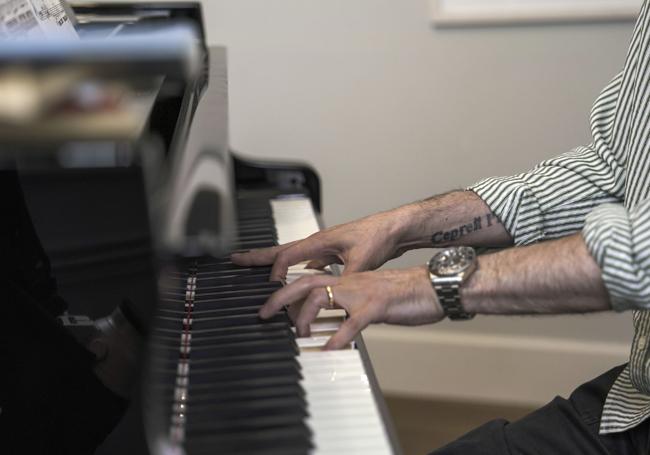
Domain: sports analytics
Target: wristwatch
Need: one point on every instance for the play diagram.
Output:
(448, 270)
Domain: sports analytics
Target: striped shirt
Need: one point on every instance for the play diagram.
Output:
(602, 189)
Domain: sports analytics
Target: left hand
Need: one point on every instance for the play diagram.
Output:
(403, 297)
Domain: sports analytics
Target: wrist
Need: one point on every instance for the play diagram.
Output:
(429, 310)
(429, 293)
(409, 229)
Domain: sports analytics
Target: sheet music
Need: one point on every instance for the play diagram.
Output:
(28, 19)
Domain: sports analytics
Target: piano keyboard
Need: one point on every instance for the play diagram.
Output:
(236, 384)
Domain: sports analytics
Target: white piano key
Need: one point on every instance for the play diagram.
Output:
(325, 326)
(340, 367)
(338, 394)
(294, 219)
(312, 342)
(336, 313)
(330, 357)
(325, 356)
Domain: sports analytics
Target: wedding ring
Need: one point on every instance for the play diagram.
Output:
(330, 296)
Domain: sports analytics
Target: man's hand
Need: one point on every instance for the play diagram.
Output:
(456, 218)
(360, 245)
(403, 297)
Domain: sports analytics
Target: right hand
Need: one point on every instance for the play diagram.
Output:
(360, 245)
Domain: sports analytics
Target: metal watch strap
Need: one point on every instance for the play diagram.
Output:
(449, 297)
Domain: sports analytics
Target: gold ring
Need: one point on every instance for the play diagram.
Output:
(330, 296)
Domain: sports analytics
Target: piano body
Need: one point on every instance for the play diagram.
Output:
(149, 219)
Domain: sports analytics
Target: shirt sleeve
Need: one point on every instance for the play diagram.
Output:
(619, 241)
(553, 199)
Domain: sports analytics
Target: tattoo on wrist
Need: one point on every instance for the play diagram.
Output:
(478, 223)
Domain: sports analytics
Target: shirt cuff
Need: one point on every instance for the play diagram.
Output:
(511, 200)
(609, 238)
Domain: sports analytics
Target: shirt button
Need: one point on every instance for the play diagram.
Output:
(641, 343)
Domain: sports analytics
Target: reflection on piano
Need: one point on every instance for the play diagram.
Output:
(215, 378)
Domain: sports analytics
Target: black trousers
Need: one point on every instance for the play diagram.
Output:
(561, 427)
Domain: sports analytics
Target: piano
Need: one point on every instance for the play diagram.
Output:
(120, 226)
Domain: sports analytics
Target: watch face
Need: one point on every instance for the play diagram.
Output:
(452, 261)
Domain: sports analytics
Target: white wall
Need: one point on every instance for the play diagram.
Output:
(389, 110)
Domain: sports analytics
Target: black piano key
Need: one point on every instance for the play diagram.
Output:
(282, 369)
(214, 300)
(243, 287)
(247, 222)
(261, 325)
(170, 364)
(228, 337)
(212, 323)
(216, 272)
(257, 235)
(234, 310)
(210, 413)
(244, 383)
(217, 398)
(167, 382)
(233, 279)
(292, 440)
(250, 418)
(256, 216)
(230, 272)
(269, 335)
(265, 288)
(166, 336)
(235, 397)
(242, 348)
(252, 229)
(252, 244)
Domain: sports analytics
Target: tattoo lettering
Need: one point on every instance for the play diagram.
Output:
(465, 229)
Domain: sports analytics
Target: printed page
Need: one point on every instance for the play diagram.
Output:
(28, 19)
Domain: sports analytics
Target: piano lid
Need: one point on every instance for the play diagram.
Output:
(59, 90)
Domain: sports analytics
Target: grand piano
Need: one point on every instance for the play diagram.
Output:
(135, 226)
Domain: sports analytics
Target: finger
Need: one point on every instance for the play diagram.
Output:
(293, 293)
(294, 311)
(319, 264)
(308, 249)
(352, 267)
(316, 300)
(346, 333)
(260, 256)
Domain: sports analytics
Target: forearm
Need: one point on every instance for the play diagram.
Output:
(455, 218)
(554, 277)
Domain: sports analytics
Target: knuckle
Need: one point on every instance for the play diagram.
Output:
(314, 295)
(307, 281)
(318, 240)
(355, 323)
(282, 256)
(300, 325)
(303, 323)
